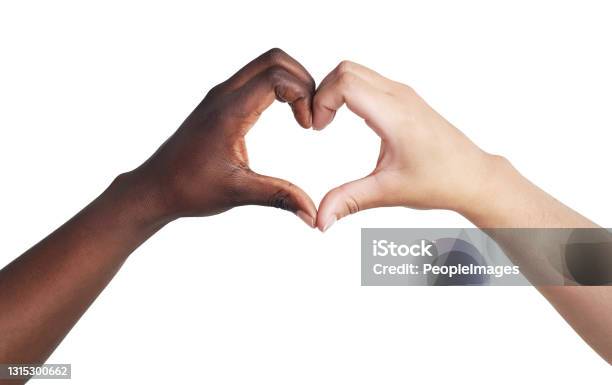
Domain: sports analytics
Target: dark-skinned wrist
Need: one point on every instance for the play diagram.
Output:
(139, 199)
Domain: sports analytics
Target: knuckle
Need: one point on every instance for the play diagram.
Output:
(281, 198)
(351, 205)
(279, 81)
(216, 91)
(275, 73)
(345, 66)
(274, 55)
(406, 90)
(346, 79)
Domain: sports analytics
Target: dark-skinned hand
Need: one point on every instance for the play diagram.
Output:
(203, 169)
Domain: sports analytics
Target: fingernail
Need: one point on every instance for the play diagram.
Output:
(329, 223)
(305, 217)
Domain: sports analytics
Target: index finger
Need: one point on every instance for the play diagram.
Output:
(275, 57)
(362, 96)
(275, 83)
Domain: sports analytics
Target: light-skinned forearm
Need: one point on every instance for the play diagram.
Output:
(509, 200)
(425, 162)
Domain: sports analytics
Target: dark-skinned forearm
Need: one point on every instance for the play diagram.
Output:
(45, 291)
(201, 170)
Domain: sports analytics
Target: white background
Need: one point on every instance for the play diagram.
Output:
(254, 296)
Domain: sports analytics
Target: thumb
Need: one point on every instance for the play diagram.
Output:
(348, 199)
(265, 190)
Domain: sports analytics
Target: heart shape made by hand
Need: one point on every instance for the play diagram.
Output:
(424, 162)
